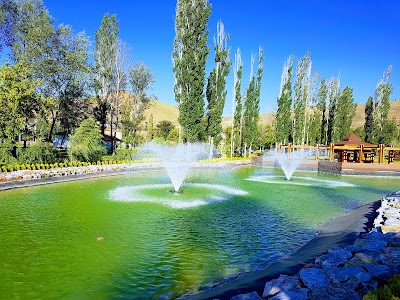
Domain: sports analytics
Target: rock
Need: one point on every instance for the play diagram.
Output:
(341, 293)
(298, 294)
(314, 278)
(333, 259)
(343, 274)
(283, 283)
(379, 271)
(375, 245)
(249, 296)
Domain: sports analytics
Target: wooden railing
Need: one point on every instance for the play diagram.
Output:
(360, 154)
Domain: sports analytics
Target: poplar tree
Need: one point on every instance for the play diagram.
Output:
(382, 105)
(333, 92)
(216, 86)
(236, 141)
(190, 51)
(345, 111)
(301, 90)
(369, 120)
(283, 119)
(321, 106)
(252, 105)
(104, 58)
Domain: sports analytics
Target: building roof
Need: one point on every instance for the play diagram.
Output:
(353, 140)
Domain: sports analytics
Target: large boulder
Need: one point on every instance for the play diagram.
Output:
(314, 278)
(249, 296)
(283, 283)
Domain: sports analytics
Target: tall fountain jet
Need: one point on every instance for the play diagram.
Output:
(177, 160)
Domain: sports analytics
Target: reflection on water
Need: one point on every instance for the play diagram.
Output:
(224, 225)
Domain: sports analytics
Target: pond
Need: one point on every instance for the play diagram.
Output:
(127, 236)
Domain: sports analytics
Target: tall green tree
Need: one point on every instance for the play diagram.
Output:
(190, 53)
(345, 112)
(19, 102)
(333, 93)
(216, 86)
(301, 91)
(236, 136)
(67, 79)
(321, 107)
(382, 105)
(150, 130)
(369, 120)
(252, 105)
(283, 119)
(141, 79)
(104, 58)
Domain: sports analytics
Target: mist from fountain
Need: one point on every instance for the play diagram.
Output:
(178, 159)
(289, 161)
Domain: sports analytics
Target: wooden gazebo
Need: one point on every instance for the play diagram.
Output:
(352, 149)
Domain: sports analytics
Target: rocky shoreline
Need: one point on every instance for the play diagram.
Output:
(347, 272)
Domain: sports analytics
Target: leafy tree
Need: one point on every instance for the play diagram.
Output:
(19, 103)
(283, 119)
(104, 57)
(333, 93)
(67, 79)
(86, 142)
(164, 128)
(140, 79)
(266, 137)
(8, 17)
(150, 132)
(31, 33)
(345, 111)
(173, 136)
(369, 120)
(252, 105)
(120, 82)
(382, 105)
(236, 136)
(301, 91)
(216, 90)
(321, 106)
(189, 55)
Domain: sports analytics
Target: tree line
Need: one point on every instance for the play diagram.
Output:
(50, 85)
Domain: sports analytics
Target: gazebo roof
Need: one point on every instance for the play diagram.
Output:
(353, 140)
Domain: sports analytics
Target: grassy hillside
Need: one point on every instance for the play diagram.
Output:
(162, 111)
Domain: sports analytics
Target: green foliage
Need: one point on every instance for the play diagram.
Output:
(238, 114)
(345, 111)
(19, 102)
(252, 104)
(40, 152)
(189, 55)
(283, 119)
(369, 120)
(125, 153)
(216, 85)
(321, 107)
(141, 79)
(104, 57)
(173, 136)
(390, 291)
(86, 142)
(164, 128)
(301, 91)
(332, 96)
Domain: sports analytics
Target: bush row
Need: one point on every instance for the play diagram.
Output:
(390, 291)
(18, 167)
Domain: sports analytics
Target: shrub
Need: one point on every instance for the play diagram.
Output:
(41, 152)
(86, 143)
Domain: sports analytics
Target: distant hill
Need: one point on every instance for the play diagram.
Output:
(162, 111)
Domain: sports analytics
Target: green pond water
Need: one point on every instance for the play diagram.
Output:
(159, 245)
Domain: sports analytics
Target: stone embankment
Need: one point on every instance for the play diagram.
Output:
(349, 272)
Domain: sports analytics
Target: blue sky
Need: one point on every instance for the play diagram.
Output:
(358, 39)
